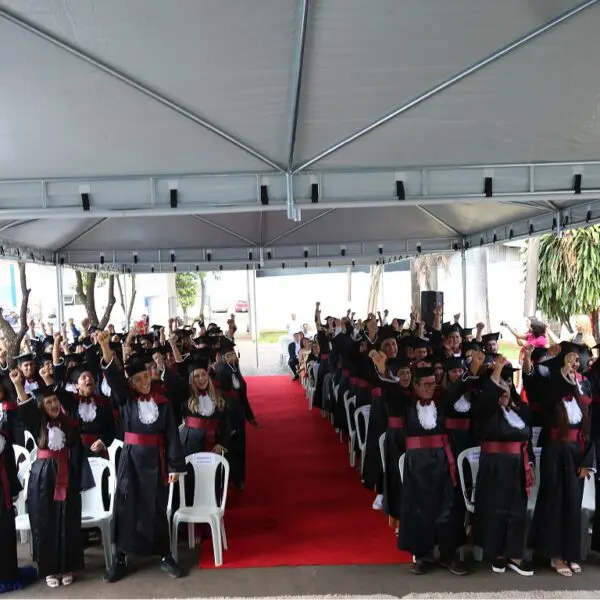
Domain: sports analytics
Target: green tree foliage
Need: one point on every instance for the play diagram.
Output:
(186, 286)
(568, 282)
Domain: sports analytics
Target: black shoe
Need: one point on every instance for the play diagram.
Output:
(420, 567)
(525, 568)
(117, 571)
(499, 565)
(170, 567)
(456, 567)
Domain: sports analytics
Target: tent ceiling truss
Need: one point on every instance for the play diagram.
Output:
(547, 188)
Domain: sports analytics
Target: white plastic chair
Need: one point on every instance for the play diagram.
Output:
(363, 412)
(401, 466)
(205, 508)
(348, 403)
(472, 456)
(93, 514)
(382, 450)
(22, 524)
(536, 486)
(114, 454)
(21, 455)
(588, 508)
(30, 443)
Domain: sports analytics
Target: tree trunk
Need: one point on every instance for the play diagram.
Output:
(185, 316)
(415, 287)
(111, 302)
(14, 338)
(482, 312)
(431, 276)
(374, 290)
(531, 276)
(127, 310)
(131, 300)
(202, 292)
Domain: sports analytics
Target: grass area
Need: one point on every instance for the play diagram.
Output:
(270, 337)
(509, 350)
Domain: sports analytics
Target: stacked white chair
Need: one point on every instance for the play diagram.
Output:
(349, 403)
(382, 450)
(205, 508)
(23, 462)
(93, 513)
(361, 436)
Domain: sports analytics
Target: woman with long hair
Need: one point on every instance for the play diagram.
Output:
(53, 493)
(567, 459)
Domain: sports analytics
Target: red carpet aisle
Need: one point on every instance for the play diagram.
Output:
(303, 504)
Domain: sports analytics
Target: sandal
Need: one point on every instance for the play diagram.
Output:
(67, 579)
(575, 567)
(52, 581)
(565, 571)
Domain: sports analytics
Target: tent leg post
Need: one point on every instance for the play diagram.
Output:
(60, 309)
(463, 260)
(255, 313)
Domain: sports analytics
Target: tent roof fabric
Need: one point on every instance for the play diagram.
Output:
(282, 128)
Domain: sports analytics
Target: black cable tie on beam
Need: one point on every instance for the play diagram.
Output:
(264, 195)
(530, 228)
(173, 197)
(553, 223)
(400, 193)
(577, 183)
(85, 201)
(314, 193)
(488, 187)
(588, 216)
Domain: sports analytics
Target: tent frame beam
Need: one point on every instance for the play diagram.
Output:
(444, 85)
(226, 230)
(135, 84)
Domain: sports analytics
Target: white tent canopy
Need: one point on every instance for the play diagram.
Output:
(215, 134)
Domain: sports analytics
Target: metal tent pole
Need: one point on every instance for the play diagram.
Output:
(59, 296)
(463, 257)
(256, 329)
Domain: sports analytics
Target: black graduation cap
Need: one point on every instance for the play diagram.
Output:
(134, 366)
(451, 328)
(453, 363)
(156, 328)
(45, 391)
(44, 358)
(387, 332)
(538, 354)
(76, 357)
(400, 322)
(183, 333)
(77, 371)
(214, 332)
(507, 372)
(490, 337)
(417, 342)
(466, 331)
(466, 346)
(199, 363)
(115, 346)
(23, 358)
(397, 363)
(148, 337)
(421, 372)
(227, 346)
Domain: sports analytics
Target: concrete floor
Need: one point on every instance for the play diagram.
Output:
(147, 581)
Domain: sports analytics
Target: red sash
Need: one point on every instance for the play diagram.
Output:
(512, 448)
(462, 424)
(417, 442)
(62, 472)
(6, 406)
(153, 440)
(395, 422)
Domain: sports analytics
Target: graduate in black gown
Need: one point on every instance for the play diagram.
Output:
(567, 459)
(506, 472)
(55, 483)
(429, 484)
(151, 459)
(233, 387)
(11, 577)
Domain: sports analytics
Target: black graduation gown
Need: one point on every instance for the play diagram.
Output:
(101, 428)
(195, 440)
(428, 495)
(240, 411)
(594, 381)
(325, 346)
(9, 415)
(556, 527)
(500, 522)
(9, 488)
(141, 525)
(396, 400)
(378, 417)
(55, 525)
